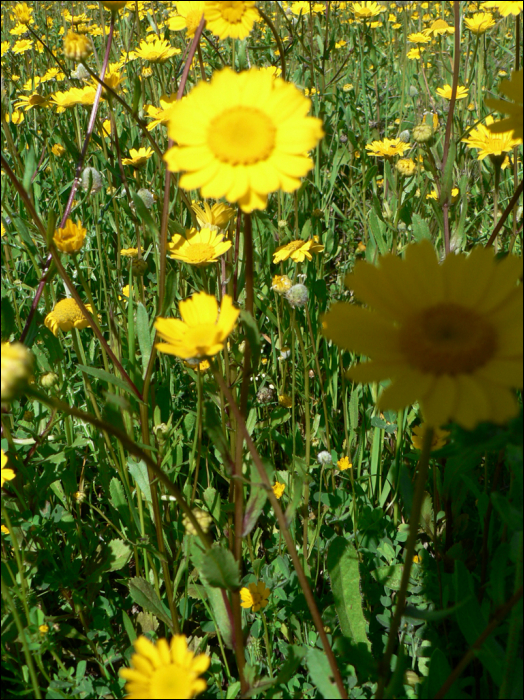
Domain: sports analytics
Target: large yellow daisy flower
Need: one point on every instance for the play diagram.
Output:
(67, 315)
(199, 248)
(189, 17)
(230, 19)
(202, 331)
(489, 144)
(450, 335)
(242, 136)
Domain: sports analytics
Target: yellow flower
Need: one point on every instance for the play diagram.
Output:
(43, 629)
(439, 437)
(129, 252)
(77, 46)
(278, 489)
(415, 54)
(438, 28)
(285, 401)
(157, 51)
(125, 292)
(281, 284)
(17, 364)
(7, 474)
(301, 8)
(489, 144)
(67, 315)
(340, 44)
(74, 96)
(214, 218)
(160, 115)
(242, 136)
(114, 5)
(416, 559)
(30, 101)
(450, 335)
(199, 248)
(202, 366)
(344, 463)
(202, 331)
(298, 251)
(230, 19)
(445, 92)
(15, 118)
(387, 148)
(366, 10)
(189, 17)
(164, 670)
(513, 89)
(255, 596)
(406, 167)
(58, 150)
(419, 38)
(434, 194)
(204, 520)
(22, 13)
(138, 157)
(505, 8)
(4, 530)
(70, 239)
(22, 46)
(480, 22)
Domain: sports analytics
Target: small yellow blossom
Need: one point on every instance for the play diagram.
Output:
(43, 629)
(67, 315)
(344, 463)
(281, 284)
(285, 401)
(17, 364)
(387, 148)
(129, 252)
(77, 47)
(446, 91)
(298, 250)
(255, 596)
(138, 157)
(278, 489)
(406, 167)
(58, 150)
(70, 239)
(7, 474)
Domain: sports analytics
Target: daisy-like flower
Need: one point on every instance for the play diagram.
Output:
(160, 115)
(7, 474)
(298, 251)
(22, 45)
(489, 144)
(188, 17)
(281, 284)
(445, 92)
(22, 13)
(129, 252)
(164, 670)
(204, 520)
(202, 331)
(415, 54)
(17, 364)
(230, 19)
(158, 51)
(480, 22)
(387, 148)
(30, 101)
(255, 596)
(344, 463)
(77, 46)
(67, 315)
(301, 8)
(505, 8)
(513, 89)
(214, 218)
(440, 437)
(419, 38)
(199, 247)
(406, 167)
(449, 335)
(278, 489)
(114, 5)
(138, 157)
(366, 10)
(439, 28)
(242, 136)
(70, 239)
(72, 97)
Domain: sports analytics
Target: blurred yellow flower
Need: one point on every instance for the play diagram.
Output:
(480, 22)
(505, 7)
(7, 474)
(157, 51)
(22, 46)
(281, 284)
(129, 252)
(203, 518)
(513, 89)
(419, 38)
(278, 489)
(199, 247)
(22, 13)
(285, 401)
(30, 101)
(298, 251)
(445, 92)
(188, 17)
(114, 5)
(67, 315)
(17, 364)
(366, 10)
(439, 28)
(77, 47)
(215, 218)
(160, 115)
(440, 437)
(138, 157)
(406, 167)
(387, 148)
(70, 239)
(255, 596)
(58, 150)
(230, 19)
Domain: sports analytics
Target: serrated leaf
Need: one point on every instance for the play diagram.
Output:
(220, 569)
(342, 563)
(144, 594)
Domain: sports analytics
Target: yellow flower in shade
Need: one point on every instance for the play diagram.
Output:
(58, 150)
(70, 239)
(242, 136)
(230, 19)
(439, 28)
(255, 596)
(513, 89)
(17, 364)
(505, 8)
(387, 148)
(406, 167)
(366, 10)
(129, 252)
(440, 437)
(202, 331)
(278, 489)
(189, 17)
(164, 670)
(204, 520)
(416, 559)
(157, 51)
(77, 47)
(30, 101)
(281, 284)
(125, 292)
(138, 157)
(22, 46)
(489, 144)
(114, 5)
(445, 92)
(480, 22)
(214, 218)
(199, 247)
(344, 463)
(298, 251)
(67, 315)
(419, 38)
(449, 335)
(285, 401)
(160, 115)
(7, 474)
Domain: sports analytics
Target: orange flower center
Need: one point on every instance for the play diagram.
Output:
(448, 339)
(241, 136)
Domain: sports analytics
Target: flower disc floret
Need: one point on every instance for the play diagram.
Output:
(165, 670)
(202, 331)
(449, 335)
(199, 247)
(230, 19)
(67, 315)
(70, 239)
(242, 136)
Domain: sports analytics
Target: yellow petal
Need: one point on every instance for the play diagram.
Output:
(362, 331)
(408, 387)
(438, 404)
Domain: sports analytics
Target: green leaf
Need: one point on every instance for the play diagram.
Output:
(30, 168)
(215, 597)
(432, 615)
(144, 594)
(342, 564)
(120, 554)
(391, 576)
(144, 336)
(439, 670)
(107, 377)
(220, 569)
(253, 335)
(420, 228)
(320, 672)
(7, 319)
(377, 231)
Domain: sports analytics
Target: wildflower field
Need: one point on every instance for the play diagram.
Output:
(262, 340)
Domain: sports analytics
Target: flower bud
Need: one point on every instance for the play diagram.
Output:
(298, 295)
(91, 180)
(423, 133)
(48, 380)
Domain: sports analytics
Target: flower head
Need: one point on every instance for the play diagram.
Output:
(72, 97)
(480, 22)
(17, 365)
(242, 136)
(114, 5)
(447, 90)
(7, 474)
(138, 158)
(366, 10)
(203, 518)
(439, 437)
(422, 133)
(202, 331)
(419, 38)
(58, 150)
(278, 489)
(505, 7)
(70, 239)
(285, 401)
(30, 101)
(513, 89)
(344, 463)
(387, 148)
(281, 284)
(255, 596)
(157, 51)
(129, 252)
(439, 28)
(214, 218)
(298, 250)
(489, 144)
(77, 46)
(449, 335)
(165, 670)
(406, 167)
(188, 17)
(199, 247)
(230, 19)
(324, 458)
(67, 315)
(160, 115)
(23, 13)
